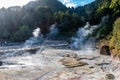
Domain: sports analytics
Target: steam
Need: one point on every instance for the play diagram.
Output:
(82, 39)
(36, 39)
(36, 32)
(53, 32)
(50, 36)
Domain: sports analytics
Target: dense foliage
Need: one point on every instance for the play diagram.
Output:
(109, 8)
(67, 22)
(16, 21)
(115, 38)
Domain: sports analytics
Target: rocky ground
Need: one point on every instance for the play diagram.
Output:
(60, 64)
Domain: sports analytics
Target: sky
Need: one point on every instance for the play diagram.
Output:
(68, 3)
(8, 3)
(75, 3)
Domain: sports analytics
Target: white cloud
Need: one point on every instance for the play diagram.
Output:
(8, 3)
(71, 5)
(75, 3)
(66, 0)
(68, 3)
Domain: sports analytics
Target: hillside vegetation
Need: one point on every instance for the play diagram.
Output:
(17, 23)
(111, 31)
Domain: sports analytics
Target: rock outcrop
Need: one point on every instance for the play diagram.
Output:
(72, 62)
(105, 50)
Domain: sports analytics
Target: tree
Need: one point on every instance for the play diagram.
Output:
(43, 18)
(67, 22)
(22, 34)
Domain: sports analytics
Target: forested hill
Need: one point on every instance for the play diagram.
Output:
(17, 23)
(54, 5)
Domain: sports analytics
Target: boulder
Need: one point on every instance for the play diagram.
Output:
(72, 62)
(109, 77)
(105, 50)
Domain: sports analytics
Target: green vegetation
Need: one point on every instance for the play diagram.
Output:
(22, 34)
(34, 14)
(115, 38)
(67, 22)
